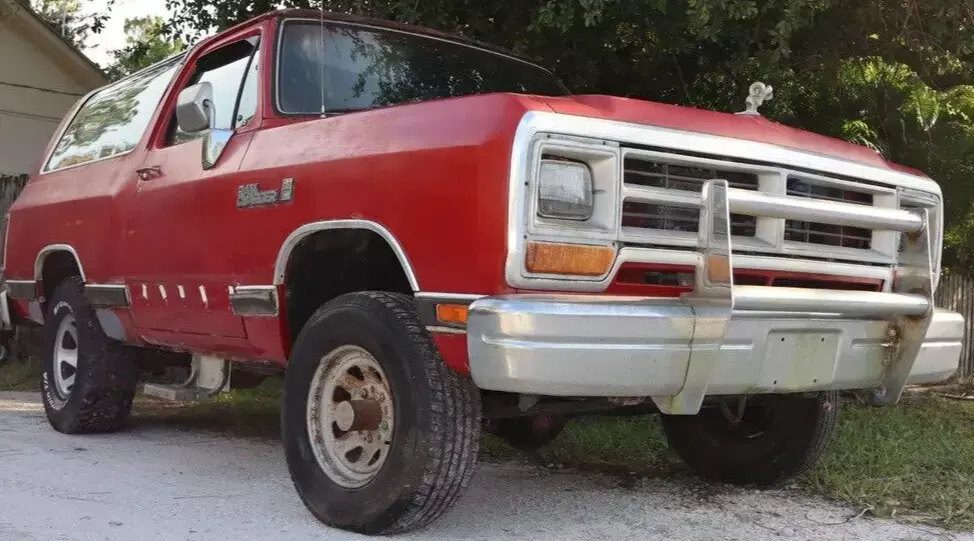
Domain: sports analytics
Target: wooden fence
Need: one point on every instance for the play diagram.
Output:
(10, 186)
(956, 292)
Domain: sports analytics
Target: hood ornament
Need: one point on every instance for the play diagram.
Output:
(757, 95)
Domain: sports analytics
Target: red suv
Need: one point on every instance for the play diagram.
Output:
(432, 236)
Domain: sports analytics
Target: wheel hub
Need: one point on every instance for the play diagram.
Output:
(350, 416)
(358, 415)
(65, 356)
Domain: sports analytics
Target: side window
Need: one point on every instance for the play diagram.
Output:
(226, 70)
(114, 119)
(248, 96)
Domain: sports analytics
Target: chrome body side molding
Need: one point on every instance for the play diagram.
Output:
(108, 295)
(254, 301)
(25, 290)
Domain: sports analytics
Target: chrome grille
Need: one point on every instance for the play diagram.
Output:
(669, 176)
(661, 206)
(829, 235)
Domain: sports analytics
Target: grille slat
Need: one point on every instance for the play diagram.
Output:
(672, 218)
(825, 234)
(669, 177)
(680, 178)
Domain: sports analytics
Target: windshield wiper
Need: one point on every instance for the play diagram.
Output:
(345, 110)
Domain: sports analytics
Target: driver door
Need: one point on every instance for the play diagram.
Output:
(177, 273)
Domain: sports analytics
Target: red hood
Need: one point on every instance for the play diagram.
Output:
(750, 127)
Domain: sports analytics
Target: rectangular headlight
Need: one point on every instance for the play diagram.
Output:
(566, 191)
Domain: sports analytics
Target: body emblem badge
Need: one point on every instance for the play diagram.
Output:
(250, 195)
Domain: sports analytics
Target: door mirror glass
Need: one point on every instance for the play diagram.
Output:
(194, 108)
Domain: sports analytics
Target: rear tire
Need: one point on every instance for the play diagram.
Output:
(367, 352)
(778, 437)
(89, 379)
(528, 433)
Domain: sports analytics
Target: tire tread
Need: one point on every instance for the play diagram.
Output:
(794, 448)
(109, 381)
(454, 436)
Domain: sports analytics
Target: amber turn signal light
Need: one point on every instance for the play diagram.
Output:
(718, 269)
(452, 313)
(569, 259)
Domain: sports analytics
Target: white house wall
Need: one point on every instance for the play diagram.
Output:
(35, 93)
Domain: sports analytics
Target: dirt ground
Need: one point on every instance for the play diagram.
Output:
(162, 483)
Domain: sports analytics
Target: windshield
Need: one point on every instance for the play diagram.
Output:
(365, 68)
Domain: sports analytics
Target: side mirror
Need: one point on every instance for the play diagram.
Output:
(195, 113)
(194, 108)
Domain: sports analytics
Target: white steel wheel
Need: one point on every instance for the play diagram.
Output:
(350, 416)
(89, 379)
(65, 356)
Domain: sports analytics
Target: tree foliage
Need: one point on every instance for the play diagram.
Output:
(146, 43)
(893, 75)
(69, 20)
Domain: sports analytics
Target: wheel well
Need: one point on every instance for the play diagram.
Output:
(330, 263)
(57, 267)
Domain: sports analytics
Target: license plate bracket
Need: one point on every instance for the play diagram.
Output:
(799, 360)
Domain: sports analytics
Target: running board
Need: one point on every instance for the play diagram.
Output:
(209, 377)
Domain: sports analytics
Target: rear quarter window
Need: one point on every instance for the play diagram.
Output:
(112, 121)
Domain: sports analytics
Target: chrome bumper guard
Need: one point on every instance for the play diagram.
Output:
(726, 339)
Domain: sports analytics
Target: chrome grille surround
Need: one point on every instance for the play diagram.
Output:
(604, 144)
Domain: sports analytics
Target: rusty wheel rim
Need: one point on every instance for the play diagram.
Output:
(350, 416)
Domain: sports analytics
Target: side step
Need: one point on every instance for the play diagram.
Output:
(209, 377)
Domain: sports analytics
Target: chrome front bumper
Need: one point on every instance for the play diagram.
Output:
(725, 338)
(573, 345)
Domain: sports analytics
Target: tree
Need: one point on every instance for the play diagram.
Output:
(894, 75)
(146, 43)
(68, 19)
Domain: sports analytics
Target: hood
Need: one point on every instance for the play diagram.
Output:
(749, 127)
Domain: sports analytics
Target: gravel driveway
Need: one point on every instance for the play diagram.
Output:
(162, 484)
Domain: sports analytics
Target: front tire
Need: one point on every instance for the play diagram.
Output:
(89, 380)
(775, 438)
(380, 435)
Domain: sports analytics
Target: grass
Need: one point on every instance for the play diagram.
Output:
(624, 445)
(249, 413)
(20, 375)
(913, 461)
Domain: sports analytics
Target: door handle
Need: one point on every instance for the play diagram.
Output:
(148, 173)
